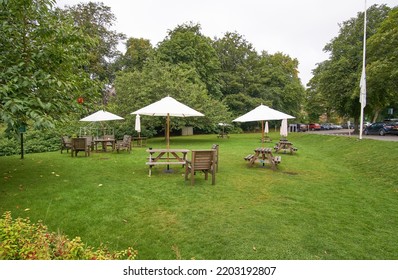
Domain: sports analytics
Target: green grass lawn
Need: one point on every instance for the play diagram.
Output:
(337, 198)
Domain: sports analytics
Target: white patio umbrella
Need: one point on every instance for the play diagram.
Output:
(266, 129)
(100, 116)
(263, 113)
(283, 130)
(138, 124)
(167, 107)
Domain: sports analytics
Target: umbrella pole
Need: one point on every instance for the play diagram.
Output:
(262, 132)
(168, 131)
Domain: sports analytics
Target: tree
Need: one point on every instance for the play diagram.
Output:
(280, 84)
(41, 64)
(138, 51)
(238, 63)
(159, 79)
(338, 79)
(96, 21)
(382, 72)
(186, 45)
(248, 78)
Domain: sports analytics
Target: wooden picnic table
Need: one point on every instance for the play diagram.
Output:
(285, 146)
(263, 155)
(104, 143)
(166, 157)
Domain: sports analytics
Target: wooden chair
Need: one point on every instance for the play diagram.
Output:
(80, 144)
(90, 141)
(125, 144)
(65, 144)
(216, 148)
(201, 160)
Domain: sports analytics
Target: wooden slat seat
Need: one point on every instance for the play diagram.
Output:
(165, 163)
(201, 160)
(249, 157)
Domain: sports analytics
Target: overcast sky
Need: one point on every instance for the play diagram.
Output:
(298, 28)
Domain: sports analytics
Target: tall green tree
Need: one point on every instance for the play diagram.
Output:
(239, 61)
(96, 21)
(280, 84)
(159, 79)
(42, 62)
(187, 45)
(138, 52)
(382, 65)
(339, 79)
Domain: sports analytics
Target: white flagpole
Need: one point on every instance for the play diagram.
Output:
(362, 94)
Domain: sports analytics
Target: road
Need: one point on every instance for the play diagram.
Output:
(348, 133)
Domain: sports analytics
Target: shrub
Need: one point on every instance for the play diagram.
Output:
(22, 240)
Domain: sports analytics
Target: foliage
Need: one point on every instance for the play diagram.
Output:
(187, 45)
(96, 20)
(337, 79)
(138, 51)
(238, 61)
(250, 78)
(383, 59)
(41, 65)
(159, 79)
(22, 240)
(35, 141)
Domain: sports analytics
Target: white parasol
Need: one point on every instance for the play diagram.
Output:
(263, 113)
(266, 129)
(100, 116)
(283, 130)
(138, 124)
(167, 107)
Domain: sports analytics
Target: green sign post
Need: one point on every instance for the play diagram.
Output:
(22, 130)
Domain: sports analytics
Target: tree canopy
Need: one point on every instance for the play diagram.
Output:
(41, 64)
(336, 81)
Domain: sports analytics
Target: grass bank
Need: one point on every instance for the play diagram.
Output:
(335, 199)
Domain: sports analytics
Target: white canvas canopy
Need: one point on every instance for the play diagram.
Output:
(266, 129)
(263, 113)
(167, 107)
(283, 129)
(100, 116)
(137, 126)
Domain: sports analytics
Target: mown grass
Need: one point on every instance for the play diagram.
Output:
(335, 199)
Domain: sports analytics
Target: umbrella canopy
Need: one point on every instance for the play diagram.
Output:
(138, 123)
(100, 116)
(263, 113)
(283, 130)
(167, 107)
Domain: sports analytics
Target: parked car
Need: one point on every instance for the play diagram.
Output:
(329, 126)
(326, 126)
(382, 128)
(303, 127)
(314, 126)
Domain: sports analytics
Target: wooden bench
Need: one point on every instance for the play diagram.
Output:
(249, 157)
(277, 159)
(165, 163)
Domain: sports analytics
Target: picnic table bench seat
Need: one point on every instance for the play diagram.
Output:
(249, 157)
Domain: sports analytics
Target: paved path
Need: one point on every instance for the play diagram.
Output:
(348, 133)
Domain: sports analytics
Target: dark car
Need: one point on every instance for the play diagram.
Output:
(382, 128)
